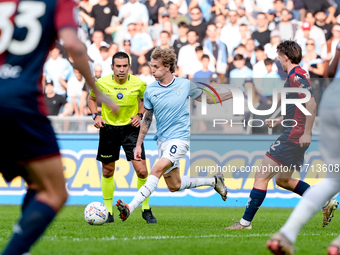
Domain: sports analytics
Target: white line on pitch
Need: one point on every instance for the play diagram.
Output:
(113, 238)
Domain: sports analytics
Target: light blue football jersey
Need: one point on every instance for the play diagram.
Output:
(171, 107)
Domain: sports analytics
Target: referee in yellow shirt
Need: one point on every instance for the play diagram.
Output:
(121, 129)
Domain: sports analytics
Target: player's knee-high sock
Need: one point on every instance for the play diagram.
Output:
(188, 182)
(255, 201)
(312, 200)
(108, 187)
(301, 187)
(28, 197)
(34, 220)
(140, 183)
(144, 192)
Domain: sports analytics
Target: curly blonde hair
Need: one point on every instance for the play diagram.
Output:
(168, 57)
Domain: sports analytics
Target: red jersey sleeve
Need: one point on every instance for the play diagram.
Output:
(65, 14)
(300, 79)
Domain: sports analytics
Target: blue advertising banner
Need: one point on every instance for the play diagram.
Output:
(236, 155)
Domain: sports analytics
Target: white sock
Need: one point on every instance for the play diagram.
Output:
(310, 204)
(144, 192)
(244, 222)
(188, 182)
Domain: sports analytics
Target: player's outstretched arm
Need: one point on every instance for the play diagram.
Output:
(142, 133)
(331, 71)
(78, 52)
(306, 138)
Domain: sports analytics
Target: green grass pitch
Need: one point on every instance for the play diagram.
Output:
(180, 230)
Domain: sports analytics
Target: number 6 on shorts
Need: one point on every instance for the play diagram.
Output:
(173, 149)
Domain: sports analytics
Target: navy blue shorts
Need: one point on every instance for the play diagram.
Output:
(287, 153)
(25, 137)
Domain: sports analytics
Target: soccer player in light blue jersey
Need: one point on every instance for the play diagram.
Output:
(168, 99)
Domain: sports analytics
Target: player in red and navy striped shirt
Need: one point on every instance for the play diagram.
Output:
(286, 154)
(28, 30)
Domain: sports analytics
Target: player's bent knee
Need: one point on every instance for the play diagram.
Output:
(282, 182)
(261, 182)
(142, 173)
(107, 171)
(174, 187)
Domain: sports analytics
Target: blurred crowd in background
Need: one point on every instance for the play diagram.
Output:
(216, 41)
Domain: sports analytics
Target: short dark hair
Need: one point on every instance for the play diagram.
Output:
(268, 62)
(260, 13)
(336, 24)
(182, 24)
(240, 46)
(196, 7)
(165, 32)
(238, 57)
(198, 48)
(286, 10)
(319, 11)
(120, 55)
(311, 12)
(192, 30)
(291, 49)
(260, 47)
(205, 56)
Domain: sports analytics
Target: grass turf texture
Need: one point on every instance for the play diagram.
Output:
(180, 230)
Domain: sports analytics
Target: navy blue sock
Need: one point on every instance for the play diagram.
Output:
(301, 187)
(29, 195)
(32, 224)
(255, 200)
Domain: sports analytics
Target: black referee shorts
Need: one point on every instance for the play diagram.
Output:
(112, 137)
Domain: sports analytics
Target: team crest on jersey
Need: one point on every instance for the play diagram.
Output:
(306, 75)
(177, 91)
(120, 96)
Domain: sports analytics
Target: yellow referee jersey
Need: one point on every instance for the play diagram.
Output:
(124, 95)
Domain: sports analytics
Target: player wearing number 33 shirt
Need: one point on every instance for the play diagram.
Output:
(28, 30)
(168, 99)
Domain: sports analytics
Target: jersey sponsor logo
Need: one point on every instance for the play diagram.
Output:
(8, 71)
(120, 95)
(156, 95)
(120, 88)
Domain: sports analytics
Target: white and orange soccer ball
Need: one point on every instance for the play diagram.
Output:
(96, 213)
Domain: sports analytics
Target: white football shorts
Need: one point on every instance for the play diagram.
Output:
(173, 150)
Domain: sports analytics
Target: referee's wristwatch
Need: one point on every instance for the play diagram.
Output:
(94, 115)
(140, 115)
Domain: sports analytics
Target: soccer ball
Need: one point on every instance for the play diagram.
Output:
(96, 213)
